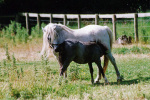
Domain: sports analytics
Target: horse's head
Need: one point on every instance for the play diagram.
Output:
(52, 34)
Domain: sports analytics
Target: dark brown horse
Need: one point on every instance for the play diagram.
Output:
(82, 53)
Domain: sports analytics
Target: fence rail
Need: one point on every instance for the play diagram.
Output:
(89, 16)
(79, 18)
(74, 16)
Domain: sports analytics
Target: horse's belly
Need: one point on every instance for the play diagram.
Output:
(79, 61)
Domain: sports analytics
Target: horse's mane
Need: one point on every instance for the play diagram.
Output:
(50, 30)
(66, 28)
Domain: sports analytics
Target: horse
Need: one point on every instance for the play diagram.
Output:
(58, 33)
(81, 53)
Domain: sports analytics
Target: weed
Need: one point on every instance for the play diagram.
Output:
(145, 50)
(26, 94)
(144, 36)
(15, 31)
(4, 63)
(135, 49)
(35, 71)
(22, 73)
(73, 72)
(44, 59)
(13, 61)
(7, 53)
(123, 50)
(36, 32)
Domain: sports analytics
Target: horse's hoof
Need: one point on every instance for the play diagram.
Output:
(96, 82)
(106, 83)
(92, 81)
(119, 80)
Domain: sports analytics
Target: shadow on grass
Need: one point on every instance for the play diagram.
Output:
(127, 82)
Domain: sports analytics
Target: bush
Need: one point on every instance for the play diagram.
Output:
(36, 32)
(15, 31)
(18, 33)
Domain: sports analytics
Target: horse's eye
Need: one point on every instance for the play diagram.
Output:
(49, 39)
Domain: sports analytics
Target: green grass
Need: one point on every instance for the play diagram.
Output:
(17, 33)
(132, 50)
(38, 80)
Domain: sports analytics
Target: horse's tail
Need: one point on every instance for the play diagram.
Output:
(110, 35)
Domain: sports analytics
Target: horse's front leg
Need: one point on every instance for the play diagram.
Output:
(91, 71)
(63, 68)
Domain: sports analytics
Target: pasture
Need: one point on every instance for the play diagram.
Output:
(24, 74)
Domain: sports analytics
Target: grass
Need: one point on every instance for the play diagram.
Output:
(23, 78)
(27, 75)
(36, 81)
(132, 50)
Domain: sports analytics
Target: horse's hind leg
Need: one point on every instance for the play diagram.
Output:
(98, 76)
(106, 60)
(112, 60)
(101, 71)
(91, 71)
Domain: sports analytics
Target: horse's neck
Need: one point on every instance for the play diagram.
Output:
(69, 34)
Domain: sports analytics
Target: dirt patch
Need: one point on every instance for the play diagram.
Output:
(31, 51)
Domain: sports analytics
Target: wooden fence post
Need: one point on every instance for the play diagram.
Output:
(136, 27)
(114, 28)
(65, 19)
(96, 19)
(27, 23)
(38, 22)
(79, 21)
(51, 18)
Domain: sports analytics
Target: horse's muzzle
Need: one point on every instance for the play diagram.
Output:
(55, 46)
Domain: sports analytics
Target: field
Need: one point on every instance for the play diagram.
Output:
(24, 74)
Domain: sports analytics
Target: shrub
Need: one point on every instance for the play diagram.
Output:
(36, 32)
(15, 31)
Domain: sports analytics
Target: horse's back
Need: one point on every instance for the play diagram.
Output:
(94, 33)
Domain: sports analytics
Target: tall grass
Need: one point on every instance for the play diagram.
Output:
(132, 50)
(15, 32)
(33, 80)
(18, 33)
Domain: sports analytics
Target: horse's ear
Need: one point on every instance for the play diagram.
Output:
(44, 30)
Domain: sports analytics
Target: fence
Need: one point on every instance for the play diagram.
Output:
(79, 18)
